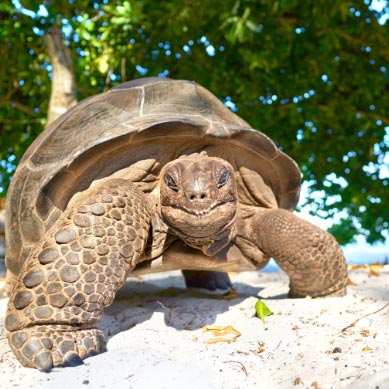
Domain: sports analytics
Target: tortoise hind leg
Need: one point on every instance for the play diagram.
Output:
(75, 272)
(210, 281)
(309, 255)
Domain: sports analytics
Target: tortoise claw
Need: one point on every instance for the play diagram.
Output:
(72, 360)
(46, 347)
(44, 361)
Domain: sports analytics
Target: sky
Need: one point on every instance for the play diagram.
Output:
(358, 252)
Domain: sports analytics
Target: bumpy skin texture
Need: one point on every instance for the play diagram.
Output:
(74, 274)
(156, 171)
(198, 200)
(107, 230)
(310, 256)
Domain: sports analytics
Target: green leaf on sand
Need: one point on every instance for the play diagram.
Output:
(262, 310)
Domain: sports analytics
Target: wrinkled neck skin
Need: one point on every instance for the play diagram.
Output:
(198, 201)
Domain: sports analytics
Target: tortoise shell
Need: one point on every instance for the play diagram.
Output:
(141, 125)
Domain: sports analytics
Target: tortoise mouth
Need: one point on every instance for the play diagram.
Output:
(209, 223)
(206, 211)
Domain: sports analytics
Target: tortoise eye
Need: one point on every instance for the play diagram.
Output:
(223, 179)
(171, 183)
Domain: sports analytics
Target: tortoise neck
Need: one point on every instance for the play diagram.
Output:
(209, 245)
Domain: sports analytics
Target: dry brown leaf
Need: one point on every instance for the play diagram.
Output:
(260, 349)
(353, 266)
(373, 268)
(297, 381)
(221, 334)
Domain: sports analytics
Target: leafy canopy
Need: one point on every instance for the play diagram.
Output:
(312, 75)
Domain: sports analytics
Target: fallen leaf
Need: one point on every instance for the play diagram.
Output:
(373, 268)
(260, 349)
(297, 381)
(353, 266)
(262, 310)
(221, 334)
(367, 348)
(242, 352)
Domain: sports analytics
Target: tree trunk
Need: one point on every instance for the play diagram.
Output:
(63, 85)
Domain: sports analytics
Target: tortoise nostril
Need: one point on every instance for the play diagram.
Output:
(198, 196)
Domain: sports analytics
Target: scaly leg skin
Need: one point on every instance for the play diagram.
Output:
(66, 283)
(210, 281)
(310, 256)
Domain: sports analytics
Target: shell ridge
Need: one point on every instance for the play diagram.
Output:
(142, 101)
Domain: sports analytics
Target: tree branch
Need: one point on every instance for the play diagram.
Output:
(63, 89)
(20, 106)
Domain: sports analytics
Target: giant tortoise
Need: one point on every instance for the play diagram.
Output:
(153, 175)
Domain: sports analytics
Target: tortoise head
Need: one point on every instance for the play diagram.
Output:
(198, 199)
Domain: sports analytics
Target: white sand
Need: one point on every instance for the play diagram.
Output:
(156, 339)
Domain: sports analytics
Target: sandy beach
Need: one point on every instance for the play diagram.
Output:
(161, 335)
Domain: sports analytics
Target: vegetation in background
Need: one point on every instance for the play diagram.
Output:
(312, 75)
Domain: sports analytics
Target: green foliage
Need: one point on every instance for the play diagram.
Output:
(312, 75)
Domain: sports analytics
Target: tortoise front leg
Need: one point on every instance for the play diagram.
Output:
(64, 286)
(309, 255)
